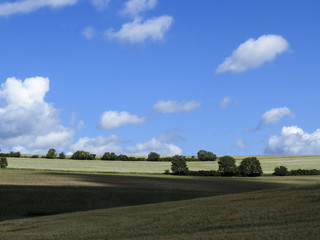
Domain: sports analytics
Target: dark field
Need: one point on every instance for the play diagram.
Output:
(49, 205)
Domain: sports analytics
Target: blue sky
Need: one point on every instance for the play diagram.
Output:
(135, 76)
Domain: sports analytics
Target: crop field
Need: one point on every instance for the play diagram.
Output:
(60, 205)
(79, 199)
(268, 164)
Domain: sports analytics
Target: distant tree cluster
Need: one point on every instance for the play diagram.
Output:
(283, 171)
(249, 167)
(206, 156)
(11, 154)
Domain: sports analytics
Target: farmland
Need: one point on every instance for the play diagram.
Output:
(268, 164)
(71, 199)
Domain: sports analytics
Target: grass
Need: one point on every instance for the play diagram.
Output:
(268, 164)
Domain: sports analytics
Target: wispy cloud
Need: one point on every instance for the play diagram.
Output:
(101, 4)
(27, 6)
(88, 32)
(226, 101)
(253, 53)
(114, 119)
(135, 7)
(272, 116)
(140, 30)
(239, 143)
(175, 106)
(294, 141)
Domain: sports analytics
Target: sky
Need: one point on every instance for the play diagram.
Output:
(174, 77)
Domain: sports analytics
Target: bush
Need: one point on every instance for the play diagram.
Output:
(153, 156)
(123, 157)
(281, 171)
(211, 173)
(83, 155)
(206, 156)
(3, 162)
(227, 166)
(34, 156)
(250, 167)
(179, 165)
(304, 172)
(51, 153)
(62, 155)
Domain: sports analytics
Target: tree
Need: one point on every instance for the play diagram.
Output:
(227, 166)
(3, 162)
(83, 155)
(206, 156)
(281, 171)
(179, 165)
(51, 153)
(153, 156)
(62, 155)
(250, 167)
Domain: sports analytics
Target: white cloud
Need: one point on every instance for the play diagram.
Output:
(135, 7)
(154, 145)
(98, 145)
(239, 143)
(26, 6)
(114, 119)
(175, 106)
(294, 141)
(275, 115)
(253, 53)
(88, 32)
(101, 4)
(139, 31)
(27, 120)
(227, 101)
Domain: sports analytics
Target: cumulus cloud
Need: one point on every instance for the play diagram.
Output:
(135, 7)
(239, 143)
(253, 53)
(175, 106)
(26, 6)
(227, 101)
(98, 145)
(101, 4)
(154, 145)
(113, 143)
(114, 119)
(140, 30)
(26, 119)
(294, 141)
(88, 32)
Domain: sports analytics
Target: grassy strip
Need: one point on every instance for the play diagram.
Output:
(276, 214)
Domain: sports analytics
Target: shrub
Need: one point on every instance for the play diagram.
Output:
(179, 165)
(211, 173)
(51, 153)
(153, 156)
(206, 156)
(250, 167)
(281, 171)
(34, 156)
(227, 166)
(83, 155)
(62, 155)
(3, 162)
(167, 171)
(304, 172)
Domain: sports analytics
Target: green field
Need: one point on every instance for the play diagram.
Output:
(76, 199)
(268, 164)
